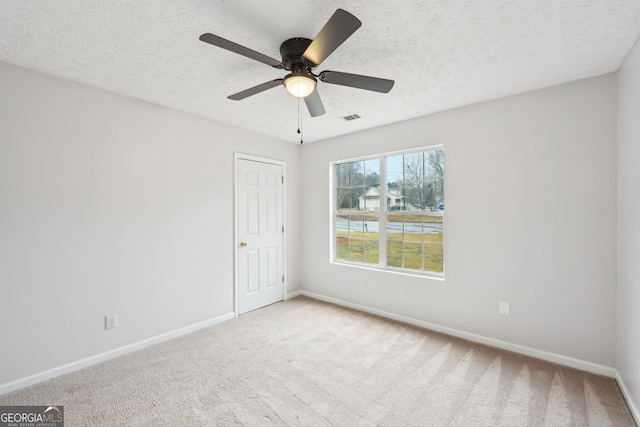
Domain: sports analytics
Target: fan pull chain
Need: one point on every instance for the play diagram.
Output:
(299, 121)
(299, 109)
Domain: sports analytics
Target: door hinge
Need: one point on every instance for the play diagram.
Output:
(282, 178)
(283, 228)
(283, 278)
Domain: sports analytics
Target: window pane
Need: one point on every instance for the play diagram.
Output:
(371, 230)
(371, 251)
(395, 169)
(414, 181)
(433, 229)
(356, 234)
(434, 257)
(356, 170)
(371, 199)
(359, 199)
(395, 182)
(372, 172)
(342, 225)
(356, 226)
(413, 228)
(371, 191)
(356, 250)
(394, 254)
(342, 175)
(434, 179)
(342, 246)
(433, 243)
(371, 235)
(351, 196)
(349, 185)
(342, 237)
(343, 201)
(413, 255)
(395, 227)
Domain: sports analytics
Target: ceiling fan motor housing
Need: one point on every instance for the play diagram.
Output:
(291, 51)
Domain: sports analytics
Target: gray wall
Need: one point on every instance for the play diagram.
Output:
(113, 205)
(629, 226)
(530, 219)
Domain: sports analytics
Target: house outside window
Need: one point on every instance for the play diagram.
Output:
(406, 232)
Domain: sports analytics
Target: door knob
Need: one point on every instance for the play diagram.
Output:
(243, 244)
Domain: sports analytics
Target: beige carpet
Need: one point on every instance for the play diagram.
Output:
(308, 363)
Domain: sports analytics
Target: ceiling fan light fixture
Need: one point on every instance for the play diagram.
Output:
(300, 85)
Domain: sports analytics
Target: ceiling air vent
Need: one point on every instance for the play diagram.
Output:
(351, 117)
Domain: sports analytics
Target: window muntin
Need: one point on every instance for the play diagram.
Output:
(397, 225)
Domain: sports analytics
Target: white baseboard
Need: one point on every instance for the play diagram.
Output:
(516, 348)
(292, 295)
(102, 357)
(627, 397)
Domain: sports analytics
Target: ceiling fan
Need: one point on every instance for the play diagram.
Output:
(300, 56)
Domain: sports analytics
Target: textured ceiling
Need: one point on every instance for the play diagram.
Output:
(441, 53)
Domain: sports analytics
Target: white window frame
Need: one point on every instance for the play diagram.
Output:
(382, 217)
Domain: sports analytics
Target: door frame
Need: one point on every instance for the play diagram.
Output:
(237, 157)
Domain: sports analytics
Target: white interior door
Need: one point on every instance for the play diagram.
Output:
(260, 234)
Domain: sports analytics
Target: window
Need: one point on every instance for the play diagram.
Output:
(388, 211)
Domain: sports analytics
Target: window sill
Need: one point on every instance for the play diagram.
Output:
(435, 276)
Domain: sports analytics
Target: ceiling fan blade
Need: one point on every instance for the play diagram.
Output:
(356, 80)
(240, 50)
(339, 27)
(314, 104)
(256, 89)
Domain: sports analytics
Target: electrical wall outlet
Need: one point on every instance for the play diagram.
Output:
(365, 286)
(503, 308)
(111, 321)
